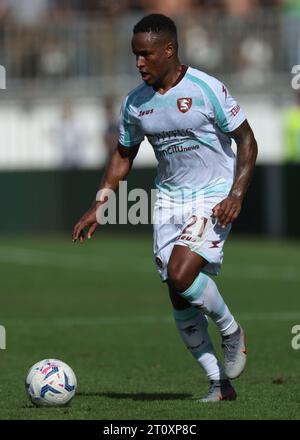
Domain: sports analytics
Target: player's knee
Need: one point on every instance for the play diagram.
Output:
(178, 302)
(180, 278)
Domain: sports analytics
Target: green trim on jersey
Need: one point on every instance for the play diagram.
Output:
(221, 118)
(172, 191)
(126, 118)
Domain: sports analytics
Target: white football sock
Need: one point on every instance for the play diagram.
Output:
(192, 325)
(204, 294)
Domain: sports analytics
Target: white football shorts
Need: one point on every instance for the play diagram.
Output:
(188, 224)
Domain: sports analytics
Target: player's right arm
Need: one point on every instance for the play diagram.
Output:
(116, 170)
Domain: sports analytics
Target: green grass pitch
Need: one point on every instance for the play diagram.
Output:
(101, 308)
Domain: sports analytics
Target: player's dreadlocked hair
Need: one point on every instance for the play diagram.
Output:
(157, 23)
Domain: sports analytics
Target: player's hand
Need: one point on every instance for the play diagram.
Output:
(88, 220)
(228, 210)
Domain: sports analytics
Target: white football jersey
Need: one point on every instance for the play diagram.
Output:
(188, 128)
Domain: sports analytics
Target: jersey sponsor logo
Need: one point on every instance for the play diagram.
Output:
(234, 111)
(146, 112)
(168, 135)
(176, 149)
(184, 104)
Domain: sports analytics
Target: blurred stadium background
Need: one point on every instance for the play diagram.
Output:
(68, 65)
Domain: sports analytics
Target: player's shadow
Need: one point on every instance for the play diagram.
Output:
(139, 396)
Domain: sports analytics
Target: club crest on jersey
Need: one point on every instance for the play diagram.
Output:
(184, 104)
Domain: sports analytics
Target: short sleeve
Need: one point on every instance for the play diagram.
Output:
(225, 110)
(131, 133)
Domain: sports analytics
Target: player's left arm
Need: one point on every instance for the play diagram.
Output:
(228, 209)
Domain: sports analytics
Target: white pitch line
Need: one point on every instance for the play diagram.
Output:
(144, 319)
(33, 257)
(259, 272)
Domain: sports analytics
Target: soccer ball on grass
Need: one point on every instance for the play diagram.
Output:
(50, 382)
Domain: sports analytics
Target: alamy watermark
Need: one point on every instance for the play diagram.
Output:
(2, 78)
(2, 338)
(137, 206)
(2, 328)
(296, 78)
(296, 339)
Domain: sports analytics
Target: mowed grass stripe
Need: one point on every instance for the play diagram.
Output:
(146, 319)
(33, 257)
